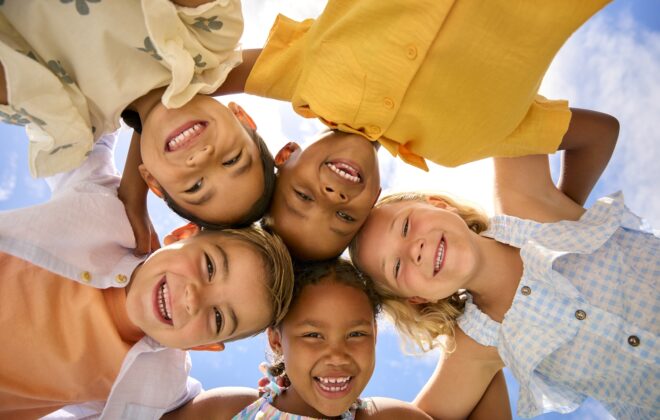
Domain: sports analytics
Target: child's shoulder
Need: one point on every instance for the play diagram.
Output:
(388, 408)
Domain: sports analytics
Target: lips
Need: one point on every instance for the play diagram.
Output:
(334, 386)
(346, 170)
(162, 302)
(184, 136)
(440, 254)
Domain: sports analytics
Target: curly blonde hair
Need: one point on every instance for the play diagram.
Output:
(422, 325)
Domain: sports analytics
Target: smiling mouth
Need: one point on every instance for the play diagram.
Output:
(163, 303)
(337, 385)
(440, 256)
(184, 136)
(346, 171)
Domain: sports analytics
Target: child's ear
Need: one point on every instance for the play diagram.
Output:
(416, 300)
(285, 153)
(210, 347)
(151, 182)
(242, 116)
(275, 340)
(181, 233)
(440, 203)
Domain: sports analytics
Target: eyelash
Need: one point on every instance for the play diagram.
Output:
(355, 334)
(404, 233)
(345, 216)
(303, 196)
(233, 160)
(195, 187)
(210, 268)
(312, 335)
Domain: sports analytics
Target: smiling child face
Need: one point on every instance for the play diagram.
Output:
(430, 252)
(201, 154)
(323, 194)
(329, 359)
(209, 288)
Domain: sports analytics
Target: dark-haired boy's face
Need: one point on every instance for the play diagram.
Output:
(203, 157)
(206, 289)
(324, 193)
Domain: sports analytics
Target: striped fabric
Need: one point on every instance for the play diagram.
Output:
(584, 321)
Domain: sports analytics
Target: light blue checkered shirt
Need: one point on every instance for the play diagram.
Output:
(584, 321)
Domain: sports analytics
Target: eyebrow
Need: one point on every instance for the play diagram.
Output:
(225, 261)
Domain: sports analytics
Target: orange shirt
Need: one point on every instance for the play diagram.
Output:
(62, 342)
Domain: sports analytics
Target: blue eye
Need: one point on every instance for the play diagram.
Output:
(195, 187)
(218, 320)
(233, 160)
(345, 216)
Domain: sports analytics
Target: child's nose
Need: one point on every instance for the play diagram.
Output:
(335, 194)
(192, 299)
(338, 354)
(201, 156)
(415, 249)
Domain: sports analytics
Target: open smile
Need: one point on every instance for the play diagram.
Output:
(347, 171)
(440, 254)
(162, 303)
(333, 386)
(185, 136)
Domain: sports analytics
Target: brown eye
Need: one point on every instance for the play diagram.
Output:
(195, 187)
(303, 196)
(233, 160)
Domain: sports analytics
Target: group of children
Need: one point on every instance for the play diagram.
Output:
(545, 288)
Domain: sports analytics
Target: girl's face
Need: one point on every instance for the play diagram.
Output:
(418, 249)
(209, 288)
(328, 341)
(202, 155)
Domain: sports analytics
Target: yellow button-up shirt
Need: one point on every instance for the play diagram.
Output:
(449, 81)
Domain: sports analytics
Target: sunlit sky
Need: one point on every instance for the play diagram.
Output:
(611, 64)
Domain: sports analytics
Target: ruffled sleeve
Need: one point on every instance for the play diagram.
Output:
(200, 45)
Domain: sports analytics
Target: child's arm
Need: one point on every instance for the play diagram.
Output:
(390, 408)
(218, 403)
(235, 82)
(133, 193)
(524, 189)
(588, 145)
(495, 402)
(460, 380)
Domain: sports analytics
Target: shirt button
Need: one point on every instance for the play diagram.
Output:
(373, 130)
(580, 314)
(633, 340)
(389, 103)
(86, 276)
(411, 52)
(526, 290)
(121, 278)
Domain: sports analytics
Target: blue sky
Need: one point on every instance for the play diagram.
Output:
(611, 64)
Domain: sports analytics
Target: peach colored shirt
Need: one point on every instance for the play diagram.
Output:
(63, 342)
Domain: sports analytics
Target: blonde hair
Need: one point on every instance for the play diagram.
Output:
(279, 269)
(422, 325)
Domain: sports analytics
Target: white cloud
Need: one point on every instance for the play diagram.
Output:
(612, 65)
(8, 177)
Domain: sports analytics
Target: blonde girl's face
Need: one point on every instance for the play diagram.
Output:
(328, 341)
(418, 249)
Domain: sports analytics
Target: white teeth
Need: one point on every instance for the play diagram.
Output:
(440, 256)
(164, 302)
(343, 170)
(178, 140)
(334, 384)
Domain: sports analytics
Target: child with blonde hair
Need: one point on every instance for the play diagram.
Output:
(89, 328)
(566, 298)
